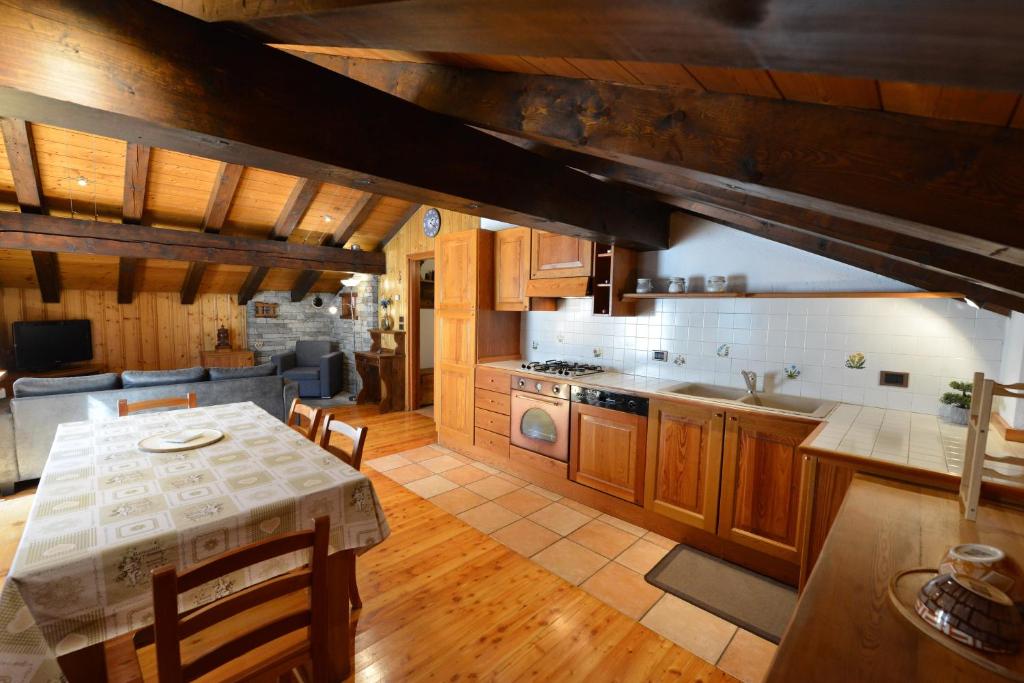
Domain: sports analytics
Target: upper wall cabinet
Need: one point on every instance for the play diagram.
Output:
(560, 256)
(511, 269)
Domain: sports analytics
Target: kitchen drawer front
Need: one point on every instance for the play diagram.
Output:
(494, 380)
(493, 401)
(491, 442)
(492, 422)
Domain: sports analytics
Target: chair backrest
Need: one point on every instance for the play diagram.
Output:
(170, 627)
(332, 425)
(976, 444)
(305, 419)
(126, 408)
(308, 352)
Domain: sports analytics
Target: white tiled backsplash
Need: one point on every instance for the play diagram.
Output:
(935, 340)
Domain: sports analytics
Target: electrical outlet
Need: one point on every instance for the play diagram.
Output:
(660, 356)
(561, 339)
(534, 345)
(598, 352)
(680, 359)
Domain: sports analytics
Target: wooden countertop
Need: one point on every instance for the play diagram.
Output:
(844, 628)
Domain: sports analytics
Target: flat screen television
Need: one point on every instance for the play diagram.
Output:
(44, 345)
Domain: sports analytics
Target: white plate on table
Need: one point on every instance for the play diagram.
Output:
(172, 442)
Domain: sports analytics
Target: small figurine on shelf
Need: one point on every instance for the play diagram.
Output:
(386, 323)
(223, 339)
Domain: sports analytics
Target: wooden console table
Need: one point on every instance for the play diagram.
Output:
(383, 372)
(227, 358)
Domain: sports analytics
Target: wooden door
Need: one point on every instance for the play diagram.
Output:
(761, 483)
(684, 462)
(608, 450)
(559, 256)
(511, 269)
(456, 270)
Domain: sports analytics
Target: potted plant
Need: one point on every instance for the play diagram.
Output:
(959, 401)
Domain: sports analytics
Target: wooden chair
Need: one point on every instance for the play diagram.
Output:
(975, 455)
(283, 626)
(126, 408)
(300, 413)
(353, 457)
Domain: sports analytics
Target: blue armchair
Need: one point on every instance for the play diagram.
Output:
(313, 365)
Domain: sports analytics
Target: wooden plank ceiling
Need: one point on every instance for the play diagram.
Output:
(177, 192)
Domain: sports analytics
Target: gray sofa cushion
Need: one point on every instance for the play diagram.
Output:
(308, 352)
(155, 378)
(235, 373)
(48, 386)
(299, 374)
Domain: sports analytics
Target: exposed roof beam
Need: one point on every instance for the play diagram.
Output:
(911, 40)
(964, 178)
(844, 239)
(295, 207)
(343, 232)
(142, 71)
(397, 227)
(21, 156)
(217, 207)
(1004, 272)
(136, 173)
(50, 234)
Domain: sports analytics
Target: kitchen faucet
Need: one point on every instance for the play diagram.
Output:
(750, 377)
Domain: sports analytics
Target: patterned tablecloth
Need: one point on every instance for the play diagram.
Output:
(106, 513)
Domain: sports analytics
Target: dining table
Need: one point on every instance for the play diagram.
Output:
(106, 513)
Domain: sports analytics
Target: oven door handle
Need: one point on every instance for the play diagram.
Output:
(551, 402)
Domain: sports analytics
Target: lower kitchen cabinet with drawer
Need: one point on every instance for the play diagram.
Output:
(493, 401)
(492, 422)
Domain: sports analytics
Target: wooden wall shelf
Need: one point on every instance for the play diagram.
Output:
(795, 295)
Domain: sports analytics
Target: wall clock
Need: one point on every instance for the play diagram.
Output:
(431, 222)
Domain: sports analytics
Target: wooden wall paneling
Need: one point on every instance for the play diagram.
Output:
(839, 91)
(554, 66)
(113, 332)
(944, 102)
(653, 73)
(194, 322)
(603, 70)
(131, 336)
(738, 81)
(148, 332)
(165, 342)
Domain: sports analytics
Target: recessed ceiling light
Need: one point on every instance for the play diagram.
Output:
(327, 218)
(82, 181)
(971, 303)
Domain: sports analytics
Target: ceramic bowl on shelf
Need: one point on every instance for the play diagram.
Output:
(644, 285)
(971, 612)
(715, 283)
(985, 563)
(677, 285)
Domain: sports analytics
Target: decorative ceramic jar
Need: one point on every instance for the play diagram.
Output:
(676, 285)
(971, 612)
(985, 563)
(644, 285)
(716, 283)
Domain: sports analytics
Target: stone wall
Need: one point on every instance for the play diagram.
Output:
(294, 321)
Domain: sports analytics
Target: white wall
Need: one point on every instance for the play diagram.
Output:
(1012, 410)
(935, 340)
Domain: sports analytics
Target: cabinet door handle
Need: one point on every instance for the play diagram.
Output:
(719, 414)
(733, 418)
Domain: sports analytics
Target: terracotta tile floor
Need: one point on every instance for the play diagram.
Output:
(604, 555)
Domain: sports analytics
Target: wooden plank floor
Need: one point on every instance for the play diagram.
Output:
(443, 601)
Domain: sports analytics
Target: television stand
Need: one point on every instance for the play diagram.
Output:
(72, 370)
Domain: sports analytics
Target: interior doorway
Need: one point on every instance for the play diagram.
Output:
(419, 376)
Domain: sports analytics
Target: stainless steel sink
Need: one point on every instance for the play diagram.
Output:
(815, 407)
(708, 391)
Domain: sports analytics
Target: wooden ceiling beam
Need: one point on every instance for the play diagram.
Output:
(294, 209)
(856, 243)
(343, 232)
(217, 207)
(51, 234)
(136, 174)
(962, 178)
(142, 71)
(21, 156)
(912, 40)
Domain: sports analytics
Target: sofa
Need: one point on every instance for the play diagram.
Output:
(314, 365)
(39, 405)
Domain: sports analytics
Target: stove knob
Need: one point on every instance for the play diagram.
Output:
(523, 366)
(632, 404)
(539, 386)
(557, 389)
(522, 383)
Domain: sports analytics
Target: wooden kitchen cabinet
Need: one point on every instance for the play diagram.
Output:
(762, 472)
(554, 255)
(464, 274)
(511, 269)
(608, 451)
(684, 462)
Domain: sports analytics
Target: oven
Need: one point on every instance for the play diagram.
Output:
(540, 417)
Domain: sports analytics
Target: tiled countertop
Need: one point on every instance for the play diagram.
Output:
(916, 440)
